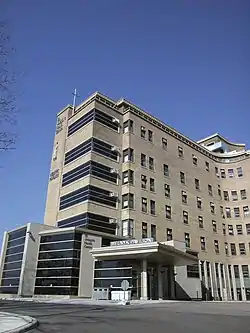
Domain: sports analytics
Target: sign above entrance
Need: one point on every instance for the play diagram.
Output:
(132, 241)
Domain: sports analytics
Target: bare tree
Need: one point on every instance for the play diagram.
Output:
(8, 107)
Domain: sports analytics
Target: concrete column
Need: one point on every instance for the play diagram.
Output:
(206, 279)
(3, 251)
(220, 283)
(144, 280)
(227, 282)
(160, 282)
(211, 279)
(214, 281)
(234, 283)
(172, 282)
(242, 284)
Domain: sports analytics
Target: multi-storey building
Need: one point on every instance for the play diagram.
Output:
(117, 170)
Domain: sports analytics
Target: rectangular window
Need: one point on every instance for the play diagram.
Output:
(230, 173)
(225, 195)
(184, 197)
(128, 155)
(153, 231)
(226, 248)
(164, 143)
(150, 136)
(243, 194)
(203, 243)
(228, 212)
(222, 212)
(212, 208)
(144, 205)
(168, 212)
(233, 249)
(143, 160)
(214, 225)
(187, 239)
(239, 229)
(222, 173)
(180, 152)
(224, 229)
(242, 249)
(207, 166)
(245, 271)
(167, 190)
(246, 211)
(128, 177)
(152, 207)
(236, 271)
(199, 202)
(151, 163)
(182, 177)
(165, 170)
(219, 193)
(230, 230)
(195, 160)
(210, 190)
(197, 184)
(152, 184)
(236, 212)
(216, 246)
(128, 126)
(143, 182)
(248, 228)
(128, 228)
(144, 227)
(128, 201)
(234, 195)
(169, 234)
(143, 132)
(185, 217)
(216, 172)
(240, 172)
(201, 223)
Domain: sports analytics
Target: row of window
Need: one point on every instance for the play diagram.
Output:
(236, 212)
(233, 249)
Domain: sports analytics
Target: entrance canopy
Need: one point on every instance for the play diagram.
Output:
(153, 251)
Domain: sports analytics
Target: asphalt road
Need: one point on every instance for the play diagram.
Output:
(182, 317)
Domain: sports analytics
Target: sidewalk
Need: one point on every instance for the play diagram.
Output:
(14, 323)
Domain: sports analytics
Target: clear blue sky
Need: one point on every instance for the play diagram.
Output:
(186, 62)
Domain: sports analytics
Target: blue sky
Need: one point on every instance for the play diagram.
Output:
(186, 62)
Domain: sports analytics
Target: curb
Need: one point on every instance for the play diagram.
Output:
(31, 323)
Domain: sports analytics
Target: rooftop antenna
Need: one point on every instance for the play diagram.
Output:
(74, 99)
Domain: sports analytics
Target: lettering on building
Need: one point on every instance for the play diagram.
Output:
(54, 174)
(59, 124)
(132, 241)
(88, 242)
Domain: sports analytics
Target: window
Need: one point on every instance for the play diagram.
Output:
(143, 132)
(195, 160)
(228, 212)
(216, 172)
(224, 229)
(207, 166)
(128, 126)
(210, 190)
(128, 201)
(165, 170)
(128, 228)
(222, 173)
(242, 249)
(144, 227)
(214, 225)
(236, 271)
(233, 249)
(182, 177)
(143, 182)
(185, 217)
(230, 230)
(152, 207)
(169, 234)
(216, 246)
(167, 190)
(240, 172)
(144, 205)
(212, 207)
(236, 212)
(153, 231)
(219, 193)
(245, 271)
(143, 160)
(226, 248)
(128, 155)
(243, 194)
(187, 239)
(248, 228)
(199, 202)
(201, 223)
(150, 136)
(168, 212)
(222, 212)
(151, 163)
(203, 243)
(225, 195)
(246, 211)
(152, 184)
(128, 177)
(180, 152)
(234, 195)
(197, 184)
(164, 143)
(184, 197)
(239, 229)
(230, 173)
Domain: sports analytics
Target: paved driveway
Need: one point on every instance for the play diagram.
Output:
(183, 317)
